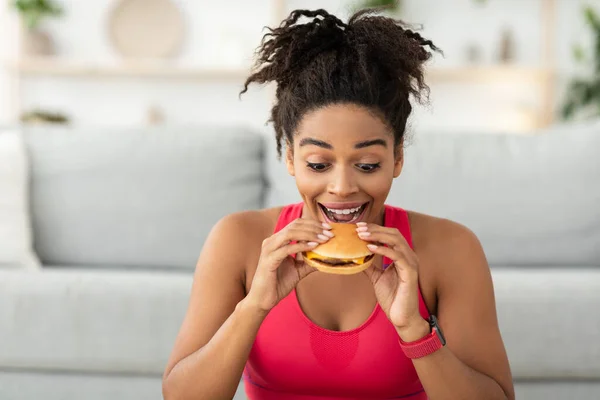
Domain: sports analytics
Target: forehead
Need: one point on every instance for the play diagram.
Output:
(342, 124)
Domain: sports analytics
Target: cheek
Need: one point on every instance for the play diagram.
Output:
(376, 185)
(309, 184)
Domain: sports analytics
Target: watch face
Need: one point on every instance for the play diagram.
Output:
(436, 328)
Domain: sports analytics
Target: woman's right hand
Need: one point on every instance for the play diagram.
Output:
(278, 272)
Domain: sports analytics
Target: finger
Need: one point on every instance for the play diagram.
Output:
(276, 257)
(392, 239)
(388, 252)
(373, 227)
(298, 230)
(387, 239)
(303, 269)
(311, 222)
(389, 236)
(373, 273)
(399, 260)
(363, 226)
(297, 234)
(309, 225)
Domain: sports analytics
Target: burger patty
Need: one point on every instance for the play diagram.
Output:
(336, 261)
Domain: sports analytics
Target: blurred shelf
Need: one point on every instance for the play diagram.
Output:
(57, 67)
(489, 73)
(141, 69)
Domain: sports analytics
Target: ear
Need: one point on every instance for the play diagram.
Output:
(289, 158)
(399, 160)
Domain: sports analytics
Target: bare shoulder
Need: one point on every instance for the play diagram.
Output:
(441, 236)
(240, 223)
(244, 231)
(448, 251)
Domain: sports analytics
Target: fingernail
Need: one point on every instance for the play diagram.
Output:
(326, 225)
(361, 223)
(328, 233)
(322, 237)
(312, 244)
(362, 229)
(364, 234)
(372, 246)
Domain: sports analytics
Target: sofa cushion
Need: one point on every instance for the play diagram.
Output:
(126, 321)
(531, 199)
(549, 321)
(91, 320)
(143, 197)
(557, 390)
(16, 247)
(32, 385)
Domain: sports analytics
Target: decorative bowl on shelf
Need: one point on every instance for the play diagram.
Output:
(146, 29)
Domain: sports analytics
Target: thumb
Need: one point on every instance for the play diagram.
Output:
(373, 273)
(303, 269)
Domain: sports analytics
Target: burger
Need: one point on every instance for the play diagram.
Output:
(343, 254)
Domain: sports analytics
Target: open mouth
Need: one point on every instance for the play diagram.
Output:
(346, 215)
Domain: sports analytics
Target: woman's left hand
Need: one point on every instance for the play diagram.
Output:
(397, 286)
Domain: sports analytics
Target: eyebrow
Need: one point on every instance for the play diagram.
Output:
(367, 143)
(315, 142)
(359, 145)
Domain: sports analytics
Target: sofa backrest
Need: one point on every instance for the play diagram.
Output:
(137, 198)
(531, 199)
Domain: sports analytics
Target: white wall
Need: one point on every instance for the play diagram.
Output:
(82, 35)
(8, 49)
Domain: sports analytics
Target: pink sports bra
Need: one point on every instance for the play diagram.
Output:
(294, 359)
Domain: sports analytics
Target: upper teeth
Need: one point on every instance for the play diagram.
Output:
(344, 211)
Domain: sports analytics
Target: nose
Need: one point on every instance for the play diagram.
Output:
(343, 184)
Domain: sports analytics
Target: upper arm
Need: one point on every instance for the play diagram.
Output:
(217, 287)
(467, 307)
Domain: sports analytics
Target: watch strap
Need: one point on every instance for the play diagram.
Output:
(427, 345)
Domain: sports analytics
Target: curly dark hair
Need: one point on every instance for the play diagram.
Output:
(372, 61)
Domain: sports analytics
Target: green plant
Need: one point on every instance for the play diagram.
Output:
(392, 5)
(584, 93)
(33, 11)
(41, 116)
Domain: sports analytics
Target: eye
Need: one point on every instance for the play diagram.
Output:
(317, 167)
(368, 167)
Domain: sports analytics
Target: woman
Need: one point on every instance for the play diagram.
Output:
(256, 309)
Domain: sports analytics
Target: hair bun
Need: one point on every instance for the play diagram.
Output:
(371, 61)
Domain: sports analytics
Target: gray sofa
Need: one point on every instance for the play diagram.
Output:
(119, 218)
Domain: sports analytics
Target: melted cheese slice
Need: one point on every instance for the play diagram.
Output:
(360, 260)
